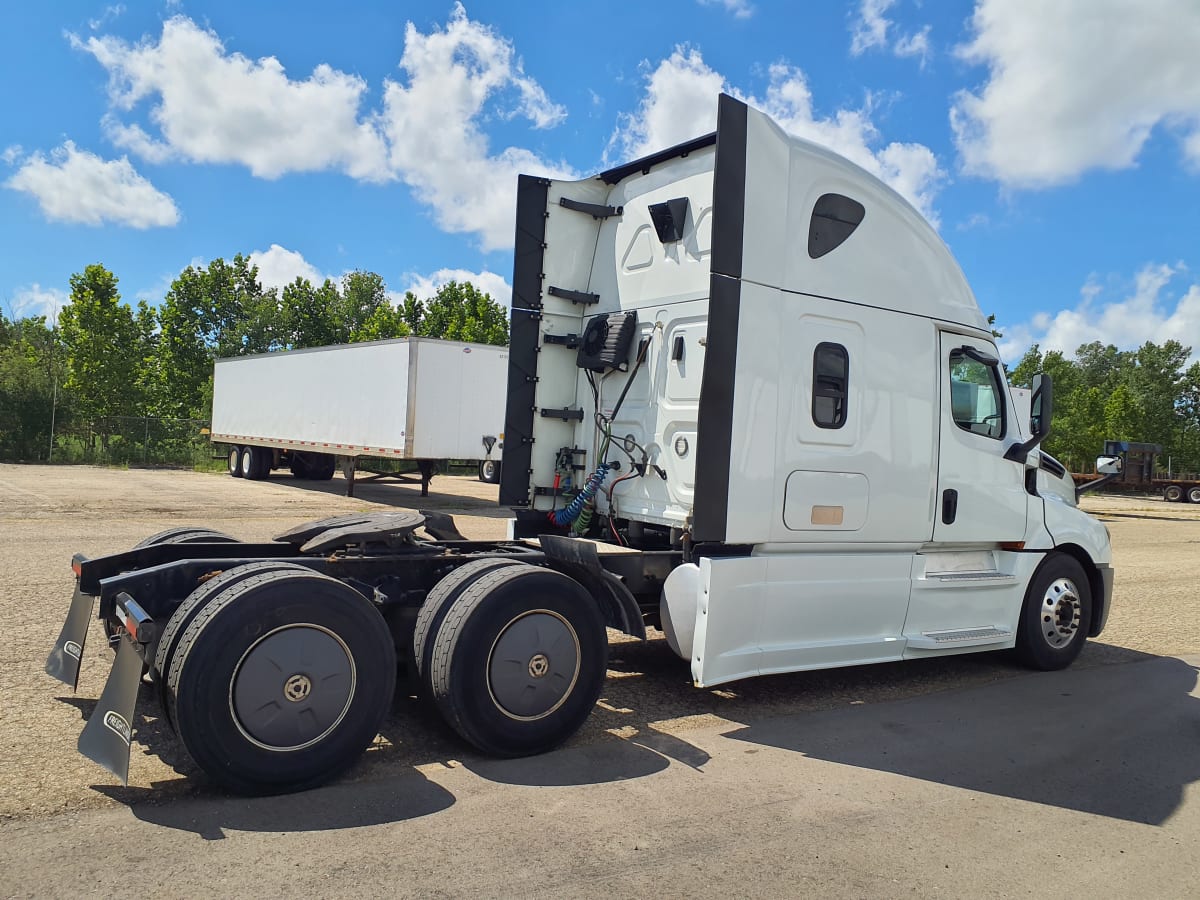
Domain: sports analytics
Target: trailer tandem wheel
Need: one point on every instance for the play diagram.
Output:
(1173, 493)
(1056, 614)
(519, 660)
(437, 603)
(191, 606)
(235, 461)
(281, 681)
(1193, 495)
(489, 471)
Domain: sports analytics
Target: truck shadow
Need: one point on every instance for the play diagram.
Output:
(1121, 741)
(1115, 736)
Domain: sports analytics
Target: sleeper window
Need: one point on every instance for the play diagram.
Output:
(976, 400)
(831, 378)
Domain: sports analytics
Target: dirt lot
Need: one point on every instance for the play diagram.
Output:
(48, 513)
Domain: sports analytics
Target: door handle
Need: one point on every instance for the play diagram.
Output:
(949, 506)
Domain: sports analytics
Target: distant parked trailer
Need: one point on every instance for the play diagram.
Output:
(415, 399)
(1138, 473)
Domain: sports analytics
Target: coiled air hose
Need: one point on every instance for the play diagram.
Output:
(571, 511)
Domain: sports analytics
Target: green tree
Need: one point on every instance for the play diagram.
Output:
(1122, 415)
(209, 312)
(106, 347)
(461, 312)
(32, 371)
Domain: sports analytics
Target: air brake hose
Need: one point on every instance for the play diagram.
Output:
(571, 511)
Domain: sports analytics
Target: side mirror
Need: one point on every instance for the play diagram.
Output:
(1041, 406)
(1109, 465)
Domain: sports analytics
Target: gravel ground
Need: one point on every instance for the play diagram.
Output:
(49, 513)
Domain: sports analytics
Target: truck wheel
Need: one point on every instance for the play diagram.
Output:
(1173, 493)
(186, 534)
(299, 465)
(191, 606)
(489, 471)
(281, 681)
(235, 462)
(1193, 495)
(437, 604)
(255, 464)
(321, 466)
(1056, 614)
(519, 660)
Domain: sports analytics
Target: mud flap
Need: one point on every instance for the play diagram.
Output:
(105, 738)
(63, 661)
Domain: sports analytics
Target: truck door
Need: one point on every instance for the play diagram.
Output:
(981, 495)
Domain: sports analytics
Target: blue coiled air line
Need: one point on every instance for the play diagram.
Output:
(571, 511)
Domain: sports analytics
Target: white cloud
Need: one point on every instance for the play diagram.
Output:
(871, 31)
(680, 103)
(490, 283)
(210, 105)
(739, 9)
(432, 123)
(1076, 85)
(1147, 311)
(871, 28)
(36, 300)
(914, 45)
(279, 267)
(76, 186)
(110, 13)
(11, 154)
(219, 107)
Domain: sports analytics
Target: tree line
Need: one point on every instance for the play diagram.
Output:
(1149, 395)
(104, 360)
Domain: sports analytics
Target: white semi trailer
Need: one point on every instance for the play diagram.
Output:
(751, 401)
(409, 399)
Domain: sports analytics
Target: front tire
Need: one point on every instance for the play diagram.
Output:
(519, 661)
(1056, 614)
(281, 681)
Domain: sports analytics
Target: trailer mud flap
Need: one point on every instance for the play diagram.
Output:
(63, 661)
(105, 738)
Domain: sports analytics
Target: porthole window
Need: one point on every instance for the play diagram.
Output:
(831, 381)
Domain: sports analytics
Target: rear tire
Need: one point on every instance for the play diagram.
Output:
(322, 466)
(235, 462)
(255, 463)
(489, 471)
(1056, 615)
(437, 604)
(519, 661)
(1193, 495)
(1173, 493)
(299, 466)
(191, 607)
(186, 534)
(281, 682)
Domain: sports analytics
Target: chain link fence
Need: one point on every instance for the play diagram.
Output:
(136, 441)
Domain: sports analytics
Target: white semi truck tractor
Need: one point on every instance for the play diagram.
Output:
(751, 402)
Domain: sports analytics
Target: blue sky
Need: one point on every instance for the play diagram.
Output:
(1056, 146)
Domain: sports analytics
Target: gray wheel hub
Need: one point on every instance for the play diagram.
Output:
(534, 665)
(292, 687)
(1060, 613)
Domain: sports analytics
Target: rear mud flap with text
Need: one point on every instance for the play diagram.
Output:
(63, 661)
(106, 737)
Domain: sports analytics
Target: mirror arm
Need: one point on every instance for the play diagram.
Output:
(1082, 489)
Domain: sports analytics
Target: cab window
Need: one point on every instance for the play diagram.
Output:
(976, 397)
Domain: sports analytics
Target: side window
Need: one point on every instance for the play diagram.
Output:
(831, 381)
(976, 398)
